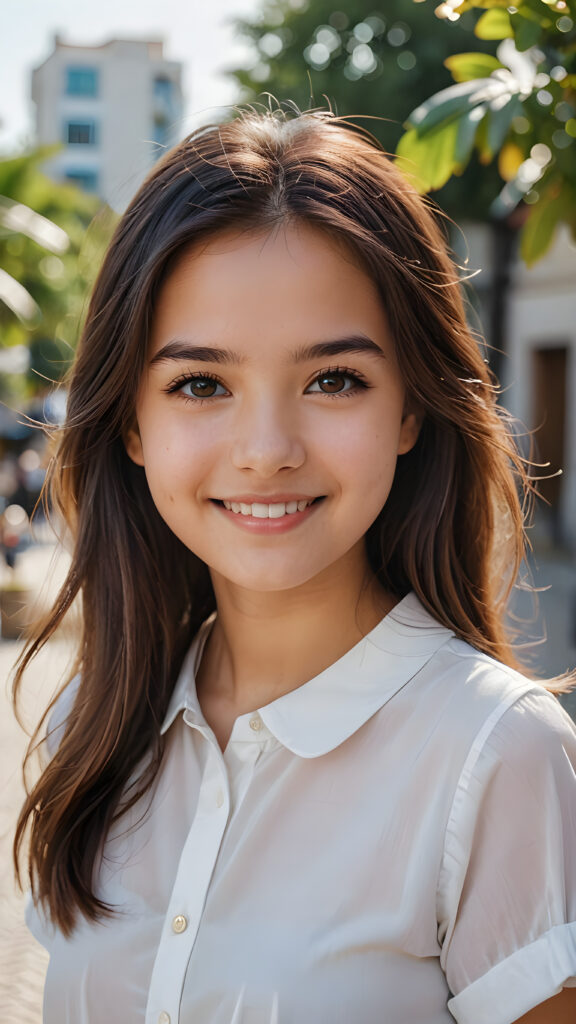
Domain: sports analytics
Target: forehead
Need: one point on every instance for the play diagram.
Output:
(294, 248)
(293, 283)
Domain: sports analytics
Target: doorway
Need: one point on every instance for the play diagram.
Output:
(549, 375)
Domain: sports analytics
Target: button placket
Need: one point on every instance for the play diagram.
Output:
(241, 756)
(184, 912)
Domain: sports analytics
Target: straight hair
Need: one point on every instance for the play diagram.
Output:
(451, 529)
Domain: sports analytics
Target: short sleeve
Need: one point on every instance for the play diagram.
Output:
(507, 887)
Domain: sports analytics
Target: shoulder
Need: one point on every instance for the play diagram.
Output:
(462, 700)
(489, 699)
(474, 681)
(517, 770)
(486, 722)
(524, 751)
(522, 745)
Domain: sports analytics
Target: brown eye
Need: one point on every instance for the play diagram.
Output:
(201, 387)
(335, 382)
(332, 383)
(338, 381)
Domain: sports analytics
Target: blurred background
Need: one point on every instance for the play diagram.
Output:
(478, 101)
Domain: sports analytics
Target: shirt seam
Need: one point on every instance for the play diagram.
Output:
(477, 746)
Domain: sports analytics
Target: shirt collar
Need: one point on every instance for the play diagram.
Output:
(325, 711)
(184, 694)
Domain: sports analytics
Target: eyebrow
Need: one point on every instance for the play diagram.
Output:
(179, 350)
(325, 349)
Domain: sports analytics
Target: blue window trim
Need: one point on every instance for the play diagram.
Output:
(85, 178)
(88, 72)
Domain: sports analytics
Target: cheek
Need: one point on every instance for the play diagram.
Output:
(179, 472)
(371, 467)
(367, 446)
(173, 444)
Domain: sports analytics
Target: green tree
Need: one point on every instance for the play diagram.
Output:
(48, 259)
(516, 110)
(366, 61)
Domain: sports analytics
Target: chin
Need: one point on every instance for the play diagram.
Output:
(270, 581)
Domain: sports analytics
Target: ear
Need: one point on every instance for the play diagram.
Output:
(133, 444)
(410, 430)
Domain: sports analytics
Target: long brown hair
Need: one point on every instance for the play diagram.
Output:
(143, 593)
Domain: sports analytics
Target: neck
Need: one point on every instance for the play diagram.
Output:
(265, 644)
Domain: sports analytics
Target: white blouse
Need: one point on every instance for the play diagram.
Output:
(394, 842)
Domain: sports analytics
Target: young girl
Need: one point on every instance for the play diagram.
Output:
(297, 779)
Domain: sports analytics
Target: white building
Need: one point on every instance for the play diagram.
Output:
(541, 373)
(113, 108)
(538, 368)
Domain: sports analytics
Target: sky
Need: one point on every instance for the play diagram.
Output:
(196, 32)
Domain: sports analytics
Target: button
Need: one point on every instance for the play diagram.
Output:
(163, 1018)
(219, 798)
(179, 924)
(256, 723)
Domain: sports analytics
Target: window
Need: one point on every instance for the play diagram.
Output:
(80, 133)
(163, 111)
(82, 81)
(85, 179)
(163, 90)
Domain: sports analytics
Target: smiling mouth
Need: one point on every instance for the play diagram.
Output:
(263, 510)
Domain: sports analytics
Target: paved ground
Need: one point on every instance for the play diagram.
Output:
(22, 961)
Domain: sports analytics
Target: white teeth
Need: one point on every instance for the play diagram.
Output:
(277, 510)
(260, 510)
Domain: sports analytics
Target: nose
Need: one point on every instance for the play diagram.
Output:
(267, 438)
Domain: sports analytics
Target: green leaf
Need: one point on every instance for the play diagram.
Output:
(494, 24)
(451, 102)
(484, 152)
(465, 67)
(527, 31)
(542, 14)
(428, 161)
(540, 228)
(455, 101)
(499, 120)
(467, 129)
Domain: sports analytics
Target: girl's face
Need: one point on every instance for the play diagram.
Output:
(272, 410)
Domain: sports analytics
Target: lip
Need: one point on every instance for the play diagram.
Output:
(268, 499)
